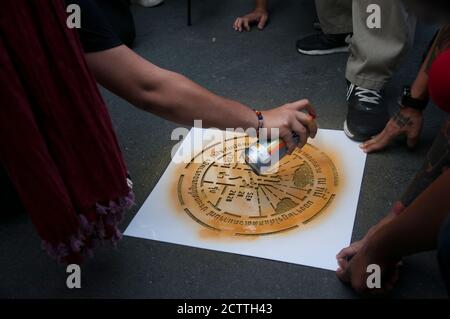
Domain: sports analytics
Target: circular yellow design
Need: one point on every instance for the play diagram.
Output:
(223, 194)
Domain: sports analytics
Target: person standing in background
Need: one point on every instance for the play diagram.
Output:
(375, 53)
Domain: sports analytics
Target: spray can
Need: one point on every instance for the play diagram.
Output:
(264, 155)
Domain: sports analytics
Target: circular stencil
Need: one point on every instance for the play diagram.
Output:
(220, 192)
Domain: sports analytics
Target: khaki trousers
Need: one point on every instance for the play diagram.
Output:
(375, 54)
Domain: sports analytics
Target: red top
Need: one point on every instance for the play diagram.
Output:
(439, 84)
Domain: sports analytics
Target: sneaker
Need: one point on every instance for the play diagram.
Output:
(147, 3)
(317, 26)
(322, 44)
(367, 115)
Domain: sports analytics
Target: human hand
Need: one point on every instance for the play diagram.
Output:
(291, 118)
(407, 122)
(346, 254)
(356, 273)
(259, 17)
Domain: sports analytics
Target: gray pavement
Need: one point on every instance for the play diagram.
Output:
(261, 69)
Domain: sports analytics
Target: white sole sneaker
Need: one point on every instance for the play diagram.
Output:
(325, 52)
(347, 132)
(352, 136)
(147, 3)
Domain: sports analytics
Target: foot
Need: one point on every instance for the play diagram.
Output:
(147, 3)
(322, 44)
(367, 114)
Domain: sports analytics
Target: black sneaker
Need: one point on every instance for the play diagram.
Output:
(317, 26)
(322, 44)
(367, 115)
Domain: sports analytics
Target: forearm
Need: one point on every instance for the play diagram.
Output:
(417, 228)
(176, 98)
(441, 43)
(426, 198)
(419, 89)
(438, 157)
(180, 100)
(165, 93)
(261, 5)
(436, 161)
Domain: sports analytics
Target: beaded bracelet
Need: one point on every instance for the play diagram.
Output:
(260, 120)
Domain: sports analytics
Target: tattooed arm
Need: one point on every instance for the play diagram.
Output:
(441, 44)
(436, 162)
(415, 230)
(438, 158)
(408, 121)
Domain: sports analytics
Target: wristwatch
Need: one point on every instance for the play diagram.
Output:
(408, 101)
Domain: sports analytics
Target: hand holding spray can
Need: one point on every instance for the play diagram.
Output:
(265, 154)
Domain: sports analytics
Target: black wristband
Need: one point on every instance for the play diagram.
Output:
(408, 101)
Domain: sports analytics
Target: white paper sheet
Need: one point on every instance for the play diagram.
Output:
(314, 244)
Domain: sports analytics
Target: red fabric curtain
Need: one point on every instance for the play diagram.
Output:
(57, 143)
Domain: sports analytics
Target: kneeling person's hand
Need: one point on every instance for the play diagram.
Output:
(407, 122)
(259, 17)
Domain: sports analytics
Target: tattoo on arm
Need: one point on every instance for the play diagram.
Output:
(436, 162)
(402, 121)
(441, 43)
(438, 158)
